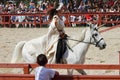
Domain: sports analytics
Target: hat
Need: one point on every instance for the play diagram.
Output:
(60, 6)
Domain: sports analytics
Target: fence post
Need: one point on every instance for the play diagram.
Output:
(9, 21)
(40, 20)
(26, 69)
(100, 20)
(34, 20)
(119, 60)
(4, 21)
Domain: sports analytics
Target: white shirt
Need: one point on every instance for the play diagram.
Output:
(72, 18)
(42, 73)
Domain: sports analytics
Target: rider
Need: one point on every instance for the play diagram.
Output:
(62, 45)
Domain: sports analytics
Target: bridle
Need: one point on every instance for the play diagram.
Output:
(97, 42)
(81, 40)
(93, 36)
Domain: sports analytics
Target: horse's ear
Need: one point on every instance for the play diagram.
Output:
(101, 26)
(90, 24)
(96, 25)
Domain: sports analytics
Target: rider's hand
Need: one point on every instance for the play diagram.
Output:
(63, 36)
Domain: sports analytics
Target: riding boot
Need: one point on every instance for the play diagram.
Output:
(58, 52)
(61, 48)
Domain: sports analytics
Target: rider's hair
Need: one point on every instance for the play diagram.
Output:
(51, 13)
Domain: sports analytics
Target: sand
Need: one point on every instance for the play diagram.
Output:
(9, 37)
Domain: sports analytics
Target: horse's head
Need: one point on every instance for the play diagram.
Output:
(96, 37)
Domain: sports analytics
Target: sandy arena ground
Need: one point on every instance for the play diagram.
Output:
(9, 37)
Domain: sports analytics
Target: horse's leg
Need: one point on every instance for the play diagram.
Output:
(70, 71)
(81, 71)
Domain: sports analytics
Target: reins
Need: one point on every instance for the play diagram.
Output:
(80, 41)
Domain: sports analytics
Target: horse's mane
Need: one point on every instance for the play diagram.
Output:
(79, 38)
(82, 35)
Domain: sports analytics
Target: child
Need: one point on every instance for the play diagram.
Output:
(41, 72)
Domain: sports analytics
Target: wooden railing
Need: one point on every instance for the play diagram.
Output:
(61, 77)
(103, 18)
(27, 67)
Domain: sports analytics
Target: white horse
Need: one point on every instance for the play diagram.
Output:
(90, 35)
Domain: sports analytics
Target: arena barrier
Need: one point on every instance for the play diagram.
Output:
(40, 18)
(113, 27)
(27, 67)
(61, 77)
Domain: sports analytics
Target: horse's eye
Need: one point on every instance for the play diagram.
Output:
(96, 29)
(95, 34)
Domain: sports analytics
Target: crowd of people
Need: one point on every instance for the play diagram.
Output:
(70, 6)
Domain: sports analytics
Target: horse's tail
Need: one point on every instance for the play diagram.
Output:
(17, 51)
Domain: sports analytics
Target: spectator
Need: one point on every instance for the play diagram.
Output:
(73, 19)
(88, 17)
(110, 3)
(1, 6)
(81, 7)
(31, 5)
(41, 72)
(5, 18)
(22, 5)
(70, 6)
